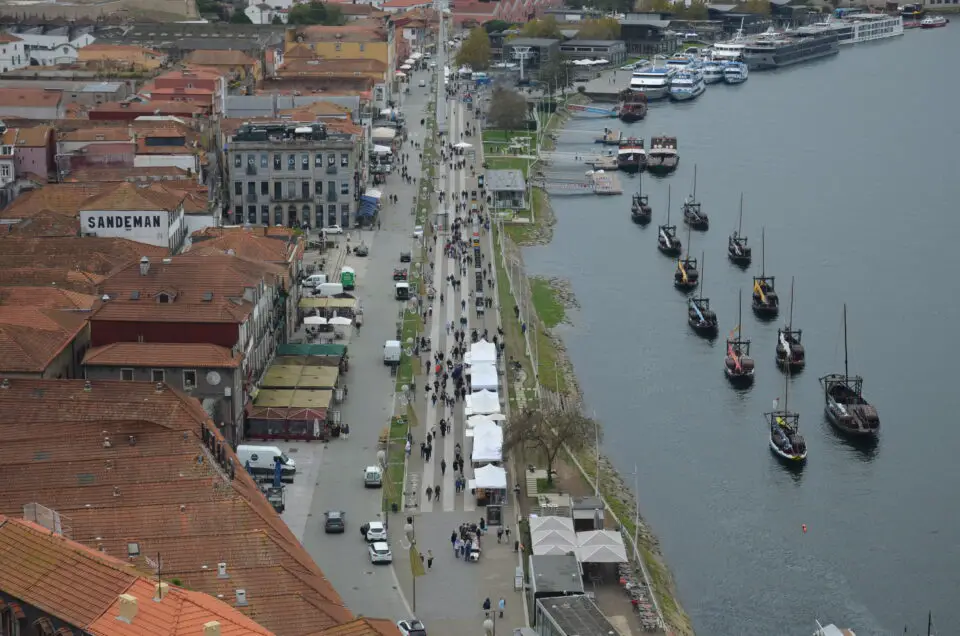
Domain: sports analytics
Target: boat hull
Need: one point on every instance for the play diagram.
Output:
(662, 168)
(669, 250)
(738, 379)
(733, 80)
(702, 224)
(704, 331)
(766, 312)
(740, 261)
(686, 287)
(843, 425)
(641, 218)
(792, 460)
(687, 95)
(652, 93)
(629, 118)
(795, 366)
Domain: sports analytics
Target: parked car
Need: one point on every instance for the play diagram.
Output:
(412, 627)
(418, 231)
(333, 229)
(374, 531)
(335, 522)
(380, 553)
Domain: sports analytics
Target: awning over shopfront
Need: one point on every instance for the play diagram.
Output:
(289, 376)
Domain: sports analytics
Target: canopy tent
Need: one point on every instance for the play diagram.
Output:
(483, 377)
(400, 74)
(409, 60)
(487, 444)
(482, 351)
(555, 536)
(542, 524)
(383, 133)
(382, 150)
(416, 55)
(599, 537)
(489, 476)
(462, 145)
(482, 403)
(602, 554)
(405, 67)
(314, 320)
(341, 320)
(479, 421)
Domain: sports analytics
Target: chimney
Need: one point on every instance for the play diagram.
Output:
(144, 266)
(87, 386)
(211, 629)
(241, 598)
(222, 571)
(128, 608)
(160, 590)
(5, 384)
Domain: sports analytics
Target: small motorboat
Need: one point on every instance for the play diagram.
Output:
(739, 253)
(845, 408)
(738, 366)
(933, 22)
(693, 216)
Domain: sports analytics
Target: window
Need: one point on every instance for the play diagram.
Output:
(331, 159)
(331, 214)
(318, 188)
(318, 160)
(238, 188)
(291, 162)
(277, 190)
(157, 375)
(265, 188)
(305, 189)
(163, 297)
(237, 160)
(252, 188)
(277, 215)
(265, 214)
(291, 189)
(344, 215)
(332, 188)
(189, 379)
(344, 187)
(344, 159)
(337, 46)
(319, 217)
(263, 160)
(252, 214)
(277, 161)
(304, 161)
(126, 375)
(4, 171)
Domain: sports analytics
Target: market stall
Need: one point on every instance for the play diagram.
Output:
(481, 352)
(487, 445)
(483, 377)
(489, 486)
(482, 403)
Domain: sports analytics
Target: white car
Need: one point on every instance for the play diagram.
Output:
(418, 231)
(423, 82)
(374, 531)
(411, 628)
(333, 229)
(380, 553)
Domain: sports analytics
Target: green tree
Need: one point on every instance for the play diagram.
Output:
(661, 6)
(602, 29)
(548, 430)
(496, 26)
(508, 110)
(475, 51)
(546, 27)
(239, 17)
(555, 73)
(696, 11)
(276, 20)
(315, 13)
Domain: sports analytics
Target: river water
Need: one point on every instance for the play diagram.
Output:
(850, 164)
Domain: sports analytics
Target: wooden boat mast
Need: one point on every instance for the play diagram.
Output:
(740, 222)
(790, 323)
(846, 368)
(694, 196)
(668, 206)
(739, 316)
(763, 252)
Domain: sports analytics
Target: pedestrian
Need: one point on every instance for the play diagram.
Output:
(502, 605)
(430, 561)
(436, 492)
(443, 467)
(453, 538)
(421, 558)
(507, 532)
(406, 448)
(500, 534)
(486, 607)
(429, 493)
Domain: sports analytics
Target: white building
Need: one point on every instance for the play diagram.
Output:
(46, 49)
(263, 13)
(152, 215)
(12, 53)
(7, 155)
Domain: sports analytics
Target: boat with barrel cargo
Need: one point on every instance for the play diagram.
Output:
(786, 442)
(693, 215)
(739, 253)
(631, 157)
(640, 211)
(663, 157)
(766, 303)
(667, 241)
(789, 350)
(609, 137)
(738, 366)
(846, 409)
(700, 317)
(633, 106)
(687, 275)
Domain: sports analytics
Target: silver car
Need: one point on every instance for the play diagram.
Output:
(374, 531)
(380, 553)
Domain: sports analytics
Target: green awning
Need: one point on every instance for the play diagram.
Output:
(303, 399)
(299, 376)
(332, 350)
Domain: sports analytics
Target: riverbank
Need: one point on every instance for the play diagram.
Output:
(543, 304)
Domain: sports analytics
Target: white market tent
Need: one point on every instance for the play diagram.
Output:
(462, 145)
(483, 377)
(383, 133)
(479, 421)
(490, 477)
(487, 444)
(373, 193)
(482, 403)
(601, 546)
(483, 351)
(552, 535)
(314, 320)
(382, 150)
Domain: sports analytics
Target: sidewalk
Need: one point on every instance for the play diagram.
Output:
(449, 596)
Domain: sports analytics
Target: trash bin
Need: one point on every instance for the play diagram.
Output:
(394, 508)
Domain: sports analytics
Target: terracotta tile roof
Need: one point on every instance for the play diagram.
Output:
(299, 66)
(101, 133)
(192, 73)
(82, 586)
(83, 282)
(9, 137)
(137, 175)
(159, 354)
(299, 50)
(322, 109)
(163, 107)
(64, 198)
(31, 338)
(144, 149)
(47, 298)
(129, 196)
(359, 31)
(164, 491)
(249, 244)
(89, 254)
(117, 50)
(36, 137)
(29, 98)
(216, 311)
(8, 38)
(46, 224)
(219, 58)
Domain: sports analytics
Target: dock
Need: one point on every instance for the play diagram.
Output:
(599, 183)
(595, 160)
(592, 110)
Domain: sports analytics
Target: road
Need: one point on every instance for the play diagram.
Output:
(334, 470)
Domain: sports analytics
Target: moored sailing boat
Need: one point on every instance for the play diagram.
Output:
(786, 442)
(738, 251)
(790, 352)
(700, 317)
(667, 241)
(686, 277)
(738, 366)
(766, 303)
(846, 409)
(693, 216)
(640, 210)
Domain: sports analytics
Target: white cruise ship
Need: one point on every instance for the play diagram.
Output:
(712, 72)
(854, 28)
(687, 84)
(653, 82)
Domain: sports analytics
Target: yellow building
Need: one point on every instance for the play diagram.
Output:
(234, 65)
(121, 55)
(360, 40)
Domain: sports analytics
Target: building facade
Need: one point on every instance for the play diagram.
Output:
(12, 53)
(294, 174)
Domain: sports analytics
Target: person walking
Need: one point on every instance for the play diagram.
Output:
(486, 607)
(429, 493)
(443, 467)
(436, 492)
(501, 605)
(430, 565)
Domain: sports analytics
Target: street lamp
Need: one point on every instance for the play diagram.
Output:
(410, 530)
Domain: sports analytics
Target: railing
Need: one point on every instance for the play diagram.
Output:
(332, 169)
(251, 169)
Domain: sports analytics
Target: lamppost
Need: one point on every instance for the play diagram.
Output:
(410, 530)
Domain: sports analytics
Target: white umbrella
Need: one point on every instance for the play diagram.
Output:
(382, 150)
(496, 417)
(462, 145)
(409, 60)
(314, 320)
(340, 320)
(603, 61)
(406, 67)
(401, 74)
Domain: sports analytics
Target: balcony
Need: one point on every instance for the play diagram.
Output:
(331, 197)
(251, 197)
(292, 198)
(251, 169)
(332, 169)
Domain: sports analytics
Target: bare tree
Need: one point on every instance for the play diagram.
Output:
(549, 429)
(508, 110)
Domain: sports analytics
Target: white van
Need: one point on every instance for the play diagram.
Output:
(313, 280)
(329, 289)
(261, 460)
(392, 352)
(372, 477)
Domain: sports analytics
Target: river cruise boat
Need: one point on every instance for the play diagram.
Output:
(933, 22)
(792, 47)
(735, 72)
(653, 82)
(712, 72)
(633, 106)
(663, 157)
(729, 51)
(854, 28)
(686, 85)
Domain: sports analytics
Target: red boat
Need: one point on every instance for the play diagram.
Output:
(933, 22)
(633, 106)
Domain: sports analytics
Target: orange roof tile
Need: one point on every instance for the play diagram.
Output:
(36, 137)
(31, 338)
(359, 31)
(82, 587)
(137, 175)
(46, 223)
(8, 38)
(128, 196)
(157, 484)
(216, 311)
(104, 133)
(149, 108)
(63, 198)
(89, 254)
(83, 282)
(301, 66)
(46, 298)
(250, 244)
(120, 49)
(29, 98)
(219, 58)
(161, 354)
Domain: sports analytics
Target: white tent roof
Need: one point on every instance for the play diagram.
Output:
(383, 132)
(483, 377)
(482, 402)
(602, 554)
(550, 542)
(477, 421)
(490, 476)
(483, 351)
(487, 444)
(598, 537)
(549, 522)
